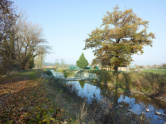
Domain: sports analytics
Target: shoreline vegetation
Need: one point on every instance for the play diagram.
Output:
(26, 97)
(151, 83)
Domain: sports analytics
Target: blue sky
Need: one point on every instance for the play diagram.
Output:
(66, 24)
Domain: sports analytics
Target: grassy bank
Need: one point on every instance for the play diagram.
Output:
(150, 84)
(25, 97)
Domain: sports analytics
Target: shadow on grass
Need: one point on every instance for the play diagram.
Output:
(20, 76)
(124, 85)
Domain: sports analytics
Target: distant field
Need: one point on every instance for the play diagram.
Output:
(157, 71)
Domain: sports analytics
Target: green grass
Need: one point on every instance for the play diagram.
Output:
(156, 71)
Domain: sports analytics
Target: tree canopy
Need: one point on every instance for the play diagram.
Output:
(20, 41)
(82, 62)
(121, 35)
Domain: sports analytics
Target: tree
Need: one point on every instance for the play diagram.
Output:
(33, 43)
(7, 39)
(164, 66)
(62, 63)
(82, 62)
(39, 60)
(57, 63)
(20, 41)
(121, 35)
(140, 67)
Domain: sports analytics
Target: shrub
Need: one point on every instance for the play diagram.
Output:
(68, 73)
(48, 73)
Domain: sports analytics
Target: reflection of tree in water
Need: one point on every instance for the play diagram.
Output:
(82, 83)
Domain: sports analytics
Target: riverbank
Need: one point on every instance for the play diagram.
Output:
(26, 97)
(153, 85)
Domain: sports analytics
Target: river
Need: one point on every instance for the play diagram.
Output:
(137, 103)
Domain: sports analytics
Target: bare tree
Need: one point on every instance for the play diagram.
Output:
(39, 60)
(57, 63)
(20, 41)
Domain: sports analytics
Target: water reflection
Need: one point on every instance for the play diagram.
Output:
(136, 103)
(82, 83)
(86, 90)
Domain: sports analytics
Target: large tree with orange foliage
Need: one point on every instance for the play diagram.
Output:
(121, 35)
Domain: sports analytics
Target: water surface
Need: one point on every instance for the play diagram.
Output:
(135, 102)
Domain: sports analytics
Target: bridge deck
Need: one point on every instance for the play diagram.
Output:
(76, 79)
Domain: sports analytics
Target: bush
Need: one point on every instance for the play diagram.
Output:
(68, 73)
(48, 73)
(61, 70)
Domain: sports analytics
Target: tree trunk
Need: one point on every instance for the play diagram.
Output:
(116, 76)
(116, 82)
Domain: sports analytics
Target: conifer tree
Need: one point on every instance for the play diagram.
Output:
(82, 62)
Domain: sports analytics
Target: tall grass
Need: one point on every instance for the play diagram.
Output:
(152, 84)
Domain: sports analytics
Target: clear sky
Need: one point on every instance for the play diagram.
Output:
(66, 24)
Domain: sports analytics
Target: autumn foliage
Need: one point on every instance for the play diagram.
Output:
(20, 40)
(121, 35)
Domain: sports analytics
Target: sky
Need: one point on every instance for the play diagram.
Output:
(67, 23)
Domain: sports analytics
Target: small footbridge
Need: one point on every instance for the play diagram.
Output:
(77, 76)
(76, 79)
